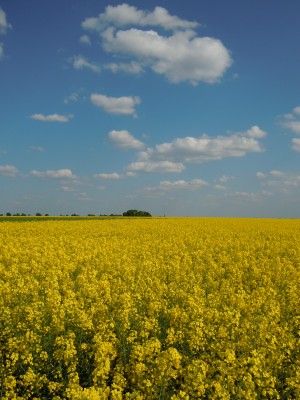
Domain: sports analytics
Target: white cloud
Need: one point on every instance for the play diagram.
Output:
(1, 51)
(179, 56)
(116, 105)
(220, 187)
(202, 149)
(56, 174)
(282, 181)
(8, 170)
(125, 14)
(112, 176)
(66, 188)
(225, 178)
(294, 126)
(296, 110)
(277, 173)
(260, 175)
(296, 144)
(156, 166)
(85, 39)
(74, 97)
(255, 132)
(182, 184)
(80, 62)
(172, 156)
(292, 120)
(51, 117)
(124, 140)
(4, 25)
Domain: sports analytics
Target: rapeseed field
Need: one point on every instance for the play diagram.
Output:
(161, 308)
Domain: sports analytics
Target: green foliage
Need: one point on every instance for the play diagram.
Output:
(136, 213)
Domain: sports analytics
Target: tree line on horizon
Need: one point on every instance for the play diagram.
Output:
(128, 213)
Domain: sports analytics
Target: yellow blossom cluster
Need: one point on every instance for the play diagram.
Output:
(160, 308)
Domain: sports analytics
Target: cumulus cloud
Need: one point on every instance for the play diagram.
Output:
(255, 132)
(125, 14)
(156, 166)
(204, 148)
(180, 56)
(56, 174)
(124, 140)
(109, 176)
(51, 117)
(182, 184)
(80, 62)
(172, 156)
(4, 25)
(292, 120)
(124, 105)
(8, 170)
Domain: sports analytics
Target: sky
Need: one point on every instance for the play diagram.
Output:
(176, 108)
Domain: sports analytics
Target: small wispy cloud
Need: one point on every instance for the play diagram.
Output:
(80, 62)
(72, 98)
(108, 176)
(296, 144)
(182, 184)
(55, 174)
(156, 166)
(1, 50)
(8, 170)
(125, 140)
(85, 39)
(51, 117)
(124, 105)
(292, 120)
(280, 180)
(38, 149)
(4, 24)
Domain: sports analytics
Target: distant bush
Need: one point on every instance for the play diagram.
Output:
(136, 213)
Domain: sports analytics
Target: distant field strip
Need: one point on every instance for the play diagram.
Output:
(164, 308)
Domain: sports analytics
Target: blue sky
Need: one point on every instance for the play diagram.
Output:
(177, 108)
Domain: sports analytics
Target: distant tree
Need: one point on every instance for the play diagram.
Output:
(136, 213)
(38, 214)
(8, 214)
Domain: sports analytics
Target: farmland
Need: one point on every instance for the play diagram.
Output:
(161, 308)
